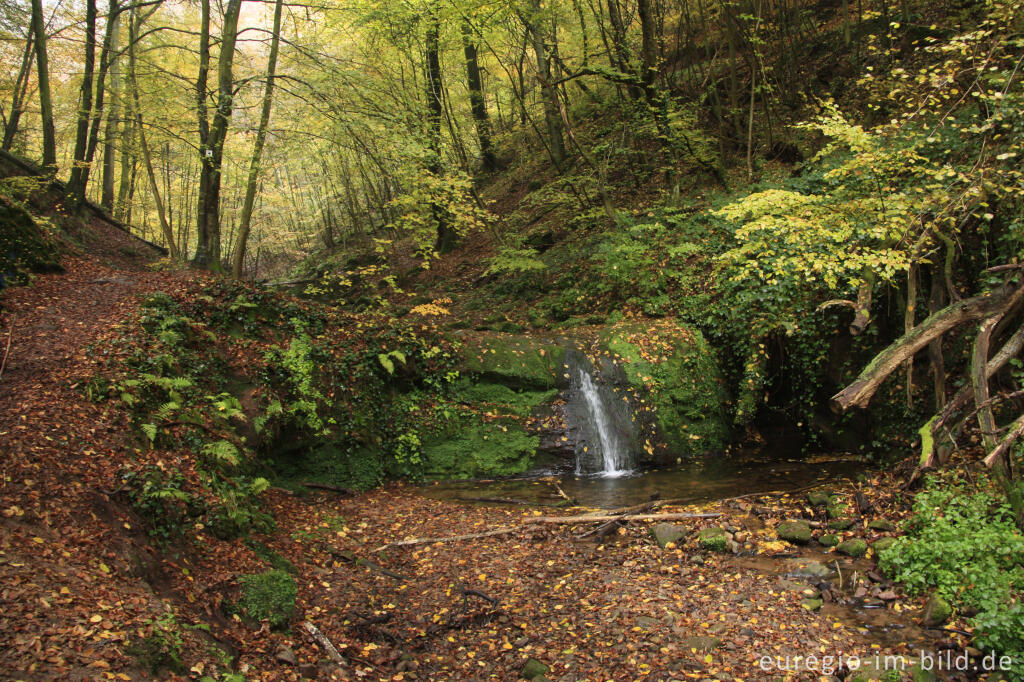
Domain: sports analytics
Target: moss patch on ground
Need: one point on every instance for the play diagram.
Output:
(674, 370)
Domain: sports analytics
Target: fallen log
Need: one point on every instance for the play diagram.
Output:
(536, 520)
(324, 643)
(860, 392)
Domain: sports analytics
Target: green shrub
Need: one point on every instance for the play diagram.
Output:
(965, 546)
(267, 596)
(162, 648)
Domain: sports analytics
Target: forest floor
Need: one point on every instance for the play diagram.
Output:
(82, 585)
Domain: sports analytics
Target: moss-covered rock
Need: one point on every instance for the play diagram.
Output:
(798, 532)
(882, 525)
(839, 524)
(936, 611)
(853, 548)
(713, 539)
(674, 369)
(665, 533)
(819, 498)
(515, 361)
(534, 669)
(829, 539)
(882, 544)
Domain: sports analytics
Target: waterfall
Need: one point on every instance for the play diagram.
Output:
(599, 418)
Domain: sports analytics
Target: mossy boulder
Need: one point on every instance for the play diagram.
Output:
(713, 539)
(883, 525)
(514, 360)
(853, 548)
(840, 524)
(798, 532)
(700, 643)
(674, 369)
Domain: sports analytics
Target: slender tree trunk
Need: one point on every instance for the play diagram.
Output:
(552, 119)
(43, 78)
(147, 159)
(20, 90)
(477, 103)
(76, 185)
(446, 236)
(113, 113)
(238, 258)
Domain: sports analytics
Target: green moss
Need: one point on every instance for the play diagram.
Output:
(515, 361)
(267, 596)
(713, 539)
(341, 464)
(509, 400)
(24, 246)
(674, 369)
(477, 449)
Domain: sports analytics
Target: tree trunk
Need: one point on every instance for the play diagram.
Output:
(435, 110)
(172, 246)
(20, 91)
(76, 184)
(43, 77)
(261, 135)
(113, 114)
(477, 103)
(552, 120)
(212, 136)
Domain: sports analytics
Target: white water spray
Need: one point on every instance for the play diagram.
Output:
(614, 454)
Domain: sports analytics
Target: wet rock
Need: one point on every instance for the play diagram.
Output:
(798, 532)
(819, 498)
(534, 669)
(713, 539)
(882, 525)
(697, 559)
(664, 533)
(887, 595)
(936, 611)
(701, 643)
(646, 621)
(286, 655)
(882, 545)
(309, 671)
(840, 524)
(811, 604)
(810, 569)
(829, 539)
(853, 548)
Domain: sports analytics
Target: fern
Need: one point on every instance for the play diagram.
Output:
(515, 261)
(223, 452)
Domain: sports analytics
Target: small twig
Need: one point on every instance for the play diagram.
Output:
(10, 333)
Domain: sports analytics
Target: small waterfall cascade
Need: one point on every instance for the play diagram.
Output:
(599, 417)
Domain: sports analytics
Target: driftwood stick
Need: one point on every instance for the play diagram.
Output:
(1016, 431)
(536, 520)
(325, 643)
(324, 486)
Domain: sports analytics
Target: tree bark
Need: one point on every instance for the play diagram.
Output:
(113, 113)
(208, 247)
(446, 236)
(43, 78)
(552, 120)
(477, 103)
(76, 184)
(261, 135)
(20, 91)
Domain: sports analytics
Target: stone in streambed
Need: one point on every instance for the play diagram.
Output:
(713, 539)
(819, 498)
(664, 533)
(798, 532)
(840, 524)
(701, 643)
(534, 669)
(936, 611)
(810, 569)
(882, 525)
(882, 545)
(811, 604)
(853, 548)
(829, 539)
